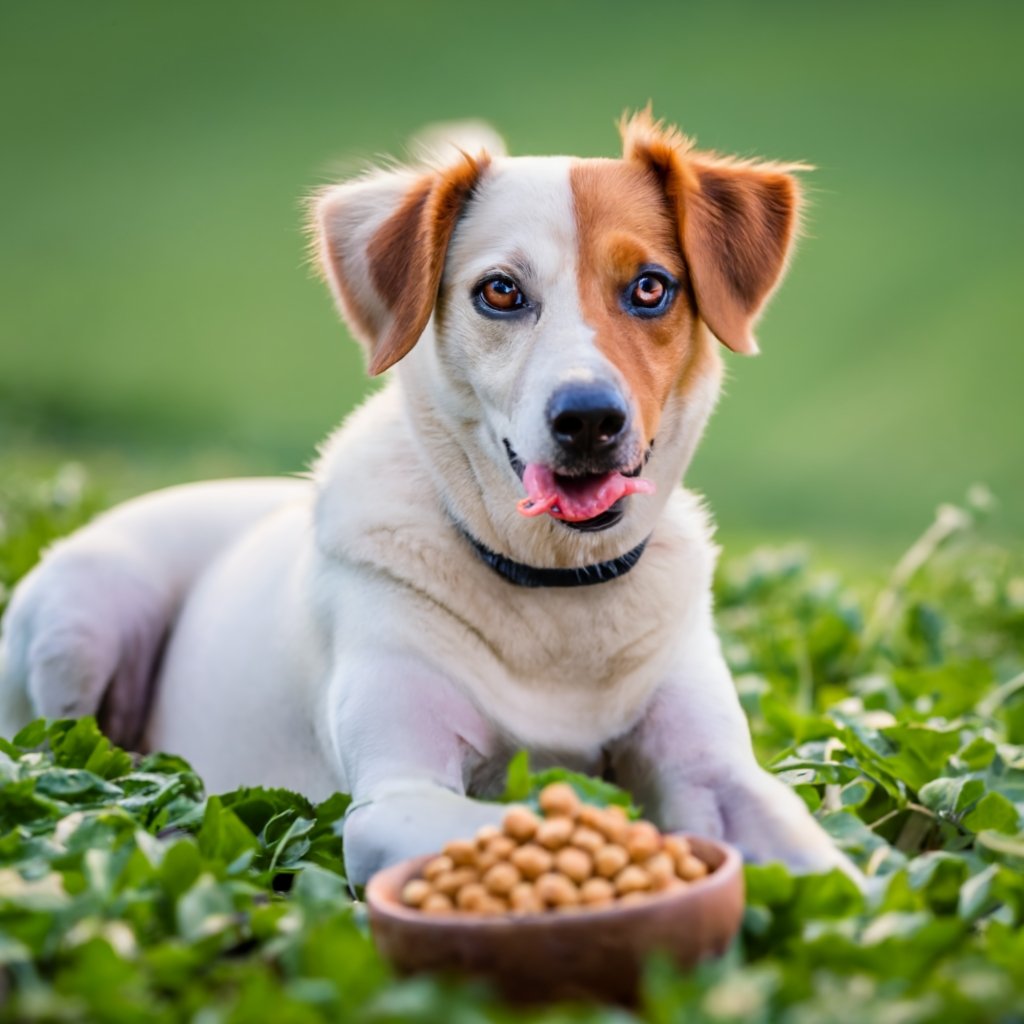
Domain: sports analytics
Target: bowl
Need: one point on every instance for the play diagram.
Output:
(581, 954)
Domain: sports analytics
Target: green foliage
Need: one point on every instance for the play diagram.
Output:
(897, 713)
(523, 786)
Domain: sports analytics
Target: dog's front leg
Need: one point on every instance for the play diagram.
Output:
(403, 734)
(690, 762)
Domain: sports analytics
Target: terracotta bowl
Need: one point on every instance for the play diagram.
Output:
(588, 954)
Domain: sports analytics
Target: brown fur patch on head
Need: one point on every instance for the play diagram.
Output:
(406, 255)
(737, 220)
(625, 223)
(382, 241)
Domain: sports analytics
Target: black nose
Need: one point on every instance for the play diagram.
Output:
(587, 419)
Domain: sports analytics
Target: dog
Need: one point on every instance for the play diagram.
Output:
(494, 552)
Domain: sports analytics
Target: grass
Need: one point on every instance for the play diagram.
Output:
(896, 710)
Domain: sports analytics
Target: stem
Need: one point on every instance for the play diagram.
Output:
(832, 800)
(948, 521)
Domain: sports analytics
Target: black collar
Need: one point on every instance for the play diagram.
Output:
(529, 576)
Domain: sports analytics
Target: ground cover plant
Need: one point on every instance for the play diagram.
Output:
(895, 708)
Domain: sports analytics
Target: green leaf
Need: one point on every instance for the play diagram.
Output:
(977, 754)
(75, 785)
(951, 796)
(1009, 847)
(32, 736)
(832, 894)
(517, 779)
(997, 886)
(317, 889)
(921, 752)
(223, 837)
(180, 867)
(80, 744)
(995, 812)
(771, 884)
(205, 909)
(589, 789)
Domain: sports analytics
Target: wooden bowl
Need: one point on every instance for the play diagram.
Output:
(582, 954)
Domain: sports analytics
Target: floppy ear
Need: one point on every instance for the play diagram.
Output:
(381, 242)
(737, 221)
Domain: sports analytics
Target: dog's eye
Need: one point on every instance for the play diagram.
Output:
(649, 295)
(500, 294)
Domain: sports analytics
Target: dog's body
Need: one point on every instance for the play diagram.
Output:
(367, 630)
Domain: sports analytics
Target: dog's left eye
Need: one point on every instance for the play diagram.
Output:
(500, 294)
(649, 295)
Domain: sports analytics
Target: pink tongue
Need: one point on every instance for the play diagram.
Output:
(575, 500)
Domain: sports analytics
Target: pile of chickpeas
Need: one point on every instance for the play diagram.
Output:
(571, 857)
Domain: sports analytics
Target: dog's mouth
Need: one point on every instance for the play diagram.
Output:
(586, 501)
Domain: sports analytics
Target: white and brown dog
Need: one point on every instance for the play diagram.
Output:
(494, 552)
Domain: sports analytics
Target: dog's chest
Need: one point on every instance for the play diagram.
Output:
(551, 668)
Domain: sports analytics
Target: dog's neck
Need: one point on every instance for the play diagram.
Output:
(522, 575)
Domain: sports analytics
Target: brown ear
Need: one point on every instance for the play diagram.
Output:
(382, 241)
(737, 221)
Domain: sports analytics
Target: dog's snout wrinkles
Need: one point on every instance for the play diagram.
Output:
(587, 419)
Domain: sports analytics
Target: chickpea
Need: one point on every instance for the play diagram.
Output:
(614, 825)
(643, 841)
(462, 852)
(523, 899)
(470, 896)
(437, 866)
(501, 879)
(632, 878)
(632, 898)
(690, 868)
(415, 892)
(485, 834)
(591, 817)
(610, 860)
(662, 869)
(435, 903)
(586, 839)
(532, 860)
(521, 824)
(554, 832)
(597, 891)
(677, 847)
(485, 860)
(450, 882)
(501, 847)
(556, 890)
(575, 864)
(559, 799)
(491, 906)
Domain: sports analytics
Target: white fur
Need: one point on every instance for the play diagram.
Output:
(343, 633)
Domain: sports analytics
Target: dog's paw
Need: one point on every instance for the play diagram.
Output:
(81, 637)
(408, 820)
(762, 817)
(768, 822)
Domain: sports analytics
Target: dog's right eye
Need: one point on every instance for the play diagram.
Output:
(500, 294)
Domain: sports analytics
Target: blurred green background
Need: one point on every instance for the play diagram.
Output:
(159, 322)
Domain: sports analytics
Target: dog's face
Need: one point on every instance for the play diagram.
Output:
(558, 309)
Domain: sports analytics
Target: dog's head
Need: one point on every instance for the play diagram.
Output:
(555, 313)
